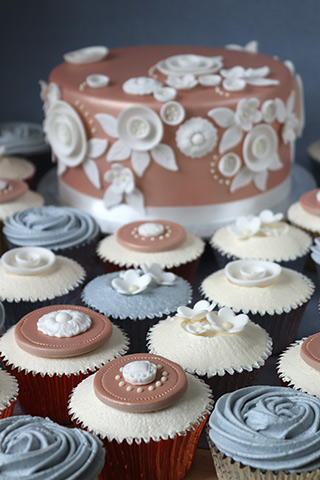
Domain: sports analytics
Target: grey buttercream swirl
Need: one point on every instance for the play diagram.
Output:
(271, 428)
(50, 227)
(39, 449)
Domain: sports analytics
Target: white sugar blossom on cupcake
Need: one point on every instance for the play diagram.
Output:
(197, 328)
(122, 188)
(196, 137)
(236, 123)
(269, 221)
(131, 283)
(139, 131)
(225, 320)
(141, 86)
(64, 323)
(68, 139)
(237, 78)
(49, 94)
(158, 275)
(245, 227)
(198, 312)
(260, 155)
(182, 83)
(190, 63)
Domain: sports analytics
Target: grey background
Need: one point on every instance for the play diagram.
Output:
(34, 34)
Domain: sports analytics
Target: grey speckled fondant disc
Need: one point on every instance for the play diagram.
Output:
(155, 301)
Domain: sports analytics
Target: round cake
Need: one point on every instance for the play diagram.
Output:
(196, 135)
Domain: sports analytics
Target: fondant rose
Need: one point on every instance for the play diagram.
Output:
(190, 64)
(28, 260)
(139, 131)
(252, 273)
(64, 323)
(67, 137)
(196, 137)
(122, 188)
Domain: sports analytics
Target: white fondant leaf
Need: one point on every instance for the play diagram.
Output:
(260, 180)
(118, 151)
(275, 163)
(224, 117)
(61, 168)
(262, 82)
(290, 102)
(111, 197)
(230, 138)
(108, 124)
(136, 200)
(281, 110)
(164, 156)
(140, 162)
(242, 179)
(96, 147)
(92, 172)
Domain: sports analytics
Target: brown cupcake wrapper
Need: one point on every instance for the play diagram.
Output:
(169, 459)
(8, 411)
(228, 469)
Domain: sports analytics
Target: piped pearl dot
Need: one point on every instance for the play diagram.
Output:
(121, 368)
(151, 388)
(117, 377)
(140, 389)
(165, 374)
(159, 366)
(163, 379)
(121, 384)
(158, 384)
(129, 388)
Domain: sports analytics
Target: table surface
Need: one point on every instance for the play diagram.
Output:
(203, 468)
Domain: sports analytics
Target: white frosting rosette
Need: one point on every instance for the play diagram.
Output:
(196, 137)
(64, 323)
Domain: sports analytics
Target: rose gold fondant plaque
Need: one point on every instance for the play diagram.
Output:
(171, 237)
(310, 351)
(13, 190)
(168, 386)
(30, 339)
(310, 203)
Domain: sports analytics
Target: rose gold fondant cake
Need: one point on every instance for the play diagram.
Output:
(196, 135)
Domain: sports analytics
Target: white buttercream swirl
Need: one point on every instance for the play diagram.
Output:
(64, 323)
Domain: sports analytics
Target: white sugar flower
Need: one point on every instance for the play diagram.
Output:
(64, 323)
(251, 47)
(291, 125)
(68, 139)
(196, 137)
(198, 312)
(260, 155)
(245, 227)
(273, 110)
(49, 94)
(227, 321)
(182, 83)
(158, 275)
(122, 188)
(141, 86)
(237, 78)
(190, 64)
(236, 123)
(139, 131)
(197, 328)
(267, 217)
(131, 283)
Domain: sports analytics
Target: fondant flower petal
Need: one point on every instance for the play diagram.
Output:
(275, 163)
(91, 170)
(231, 137)
(260, 180)
(118, 151)
(111, 197)
(140, 162)
(262, 82)
(224, 117)
(108, 124)
(136, 200)
(242, 179)
(61, 168)
(96, 147)
(164, 156)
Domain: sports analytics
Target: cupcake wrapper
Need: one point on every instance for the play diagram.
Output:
(16, 310)
(296, 264)
(186, 270)
(281, 327)
(228, 383)
(8, 411)
(169, 459)
(46, 396)
(137, 331)
(228, 469)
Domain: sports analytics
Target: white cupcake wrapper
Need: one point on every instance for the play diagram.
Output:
(14, 397)
(156, 438)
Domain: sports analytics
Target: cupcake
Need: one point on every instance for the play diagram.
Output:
(16, 168)
(54, 348)
(8, 394)
(65, 230)
(135, 299)
(262, 237)
(305, 214)
(15, 196)
(264, 432)
(2, 317)
(148, 413)
(162, 242)
(224, 349)
(273, 296)
(36, 448)
(34, 277)
(299, 365)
